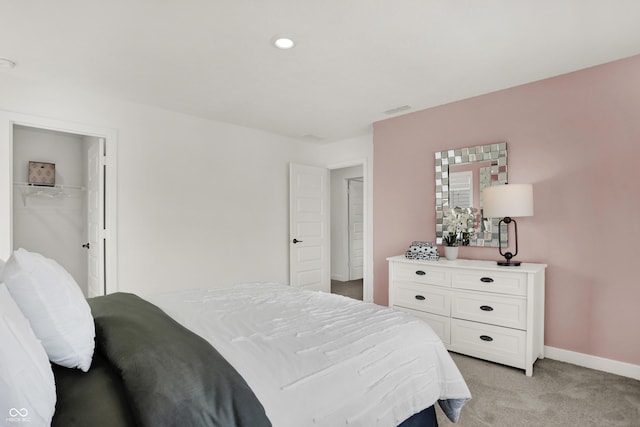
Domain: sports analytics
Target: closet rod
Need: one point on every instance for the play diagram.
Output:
(58, 186)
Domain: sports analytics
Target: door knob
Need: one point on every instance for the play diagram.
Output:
(87, 245)
(297, 241)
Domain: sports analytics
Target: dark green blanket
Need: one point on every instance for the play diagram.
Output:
(172, 377)
(93, 398)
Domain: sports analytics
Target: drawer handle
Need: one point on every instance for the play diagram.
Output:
(486, 279)
(420, 297)
(486, 338)
(420, 273)
(486, 308)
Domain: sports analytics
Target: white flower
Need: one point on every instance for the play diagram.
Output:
(460, 226)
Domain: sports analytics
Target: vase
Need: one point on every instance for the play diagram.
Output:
(451, 252)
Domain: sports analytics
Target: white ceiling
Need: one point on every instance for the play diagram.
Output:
(354, 59)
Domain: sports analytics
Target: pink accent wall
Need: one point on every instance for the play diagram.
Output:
(576, 138)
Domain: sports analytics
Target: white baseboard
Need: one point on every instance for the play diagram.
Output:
(339, 278)
(593, 362)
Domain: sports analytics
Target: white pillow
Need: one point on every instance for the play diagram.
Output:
(54, 304)
(27, 387)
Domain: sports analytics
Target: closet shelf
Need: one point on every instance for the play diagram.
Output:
(55, 191)
(45, 187)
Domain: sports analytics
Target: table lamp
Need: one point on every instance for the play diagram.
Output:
(505, 202)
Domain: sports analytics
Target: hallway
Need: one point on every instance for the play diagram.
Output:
(352, 289)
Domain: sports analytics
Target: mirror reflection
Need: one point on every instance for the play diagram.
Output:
(461, 175)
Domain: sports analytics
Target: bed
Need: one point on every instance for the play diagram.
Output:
(255, 354)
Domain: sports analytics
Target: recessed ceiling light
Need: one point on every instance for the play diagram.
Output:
(283, 42)
(7, 63)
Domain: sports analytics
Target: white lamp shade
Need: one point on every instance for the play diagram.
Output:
(512, 200)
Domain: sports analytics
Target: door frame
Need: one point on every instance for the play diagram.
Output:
(7, 121)
(367, 267)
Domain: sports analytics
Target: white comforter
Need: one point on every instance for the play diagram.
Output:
(314, 358)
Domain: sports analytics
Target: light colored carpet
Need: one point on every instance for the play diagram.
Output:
(558, 394)
(352, 289)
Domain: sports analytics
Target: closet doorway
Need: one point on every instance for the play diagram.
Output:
(347, 231)
(71, 221)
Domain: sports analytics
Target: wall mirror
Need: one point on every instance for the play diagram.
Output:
(461, 175)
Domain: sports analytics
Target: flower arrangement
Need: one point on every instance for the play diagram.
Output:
(460, 228)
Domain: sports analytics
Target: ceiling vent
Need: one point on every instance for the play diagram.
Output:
(398, 109)
(312, 138)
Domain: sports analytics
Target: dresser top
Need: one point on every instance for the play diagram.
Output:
(525, 267)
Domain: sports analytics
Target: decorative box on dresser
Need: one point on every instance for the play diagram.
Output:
(476, 307)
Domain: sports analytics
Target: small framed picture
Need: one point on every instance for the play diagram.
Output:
(43, 174)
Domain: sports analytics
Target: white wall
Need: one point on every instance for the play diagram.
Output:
(340, 221)
(199, 201)
(52, 226)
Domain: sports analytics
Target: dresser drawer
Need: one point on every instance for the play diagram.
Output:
(422, 274)
(441, 325)
(502, 345)
(476, 307)
(494, 309)
(510, 283)
(431, 299)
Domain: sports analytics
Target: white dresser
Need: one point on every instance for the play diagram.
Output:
(477, 307)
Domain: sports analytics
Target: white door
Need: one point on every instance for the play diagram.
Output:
(309, 222)
(356, 229)
(95, 218)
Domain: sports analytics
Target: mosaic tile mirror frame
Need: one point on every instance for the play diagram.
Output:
(491, 162)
